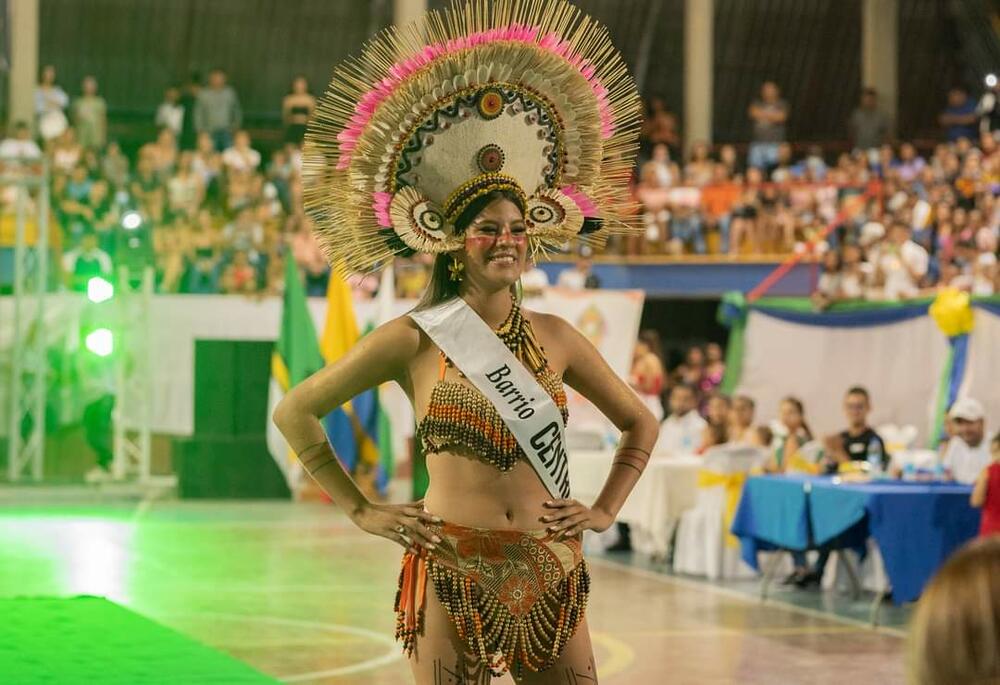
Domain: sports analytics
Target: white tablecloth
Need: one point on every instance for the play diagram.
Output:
(666, 489)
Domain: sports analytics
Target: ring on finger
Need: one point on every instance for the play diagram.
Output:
(401, 529)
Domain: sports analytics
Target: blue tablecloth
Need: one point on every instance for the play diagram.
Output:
(773, 513)
(915, 525)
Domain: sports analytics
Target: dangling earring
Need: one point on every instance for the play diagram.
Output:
(455, 269)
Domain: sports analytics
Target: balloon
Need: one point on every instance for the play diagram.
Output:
(952, 312)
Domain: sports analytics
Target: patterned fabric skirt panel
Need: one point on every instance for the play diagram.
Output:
(515, 597)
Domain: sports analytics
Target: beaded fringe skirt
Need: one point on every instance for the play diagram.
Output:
(515, 597)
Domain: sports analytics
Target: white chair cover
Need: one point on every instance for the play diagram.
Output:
(701, 548)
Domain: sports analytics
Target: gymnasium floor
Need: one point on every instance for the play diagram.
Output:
(297, 592)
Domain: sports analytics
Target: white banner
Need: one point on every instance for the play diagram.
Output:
(610, 319)
(900, 364)
(982, 368)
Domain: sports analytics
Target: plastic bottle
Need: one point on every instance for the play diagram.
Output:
(874, 457)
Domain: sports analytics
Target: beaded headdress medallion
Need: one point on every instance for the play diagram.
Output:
(527, 96)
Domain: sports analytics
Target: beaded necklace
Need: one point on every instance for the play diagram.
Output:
(459, 418)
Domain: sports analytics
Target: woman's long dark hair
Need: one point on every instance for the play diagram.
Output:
(441, 288)
(801, 408)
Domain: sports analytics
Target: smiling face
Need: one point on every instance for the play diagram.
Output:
(496, 246)
(971, 432)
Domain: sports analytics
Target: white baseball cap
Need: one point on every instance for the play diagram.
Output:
(966, 408)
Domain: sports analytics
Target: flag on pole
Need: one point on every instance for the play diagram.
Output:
(354, 428)
(296, 356)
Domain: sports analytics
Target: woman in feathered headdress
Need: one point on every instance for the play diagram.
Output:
(485, 135)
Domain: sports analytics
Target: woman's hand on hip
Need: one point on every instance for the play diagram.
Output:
(571, 517)
(401, 523)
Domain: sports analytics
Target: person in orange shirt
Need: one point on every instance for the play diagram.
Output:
(717, 200)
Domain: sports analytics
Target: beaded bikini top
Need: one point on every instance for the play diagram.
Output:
(459, 419)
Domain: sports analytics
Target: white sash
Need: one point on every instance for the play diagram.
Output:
(529, 412)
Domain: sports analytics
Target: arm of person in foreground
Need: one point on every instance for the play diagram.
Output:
(589, 374)
(382, 355)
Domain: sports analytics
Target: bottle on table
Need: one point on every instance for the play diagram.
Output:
(874, 458)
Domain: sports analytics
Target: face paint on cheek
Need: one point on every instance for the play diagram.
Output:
(479, 241)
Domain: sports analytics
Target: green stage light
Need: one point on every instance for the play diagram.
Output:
(99, 290)
(101, 342)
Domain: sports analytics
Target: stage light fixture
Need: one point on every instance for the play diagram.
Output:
(101, 342)
(99, 290)
(131, 220)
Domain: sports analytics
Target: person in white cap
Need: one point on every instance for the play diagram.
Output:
(967, 453)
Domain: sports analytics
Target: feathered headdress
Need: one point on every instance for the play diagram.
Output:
(528, 96)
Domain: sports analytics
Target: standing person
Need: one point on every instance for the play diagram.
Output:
(960, 119)
(769, 115)
(485, 376)
(217, 110)
(90, 116)
(296, 108)
(659, 128)
(50, 105)
(187, 138)
(986, 493)
(170, 113)
(869, 126)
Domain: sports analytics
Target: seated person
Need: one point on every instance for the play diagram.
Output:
(717, 429)
(854, 443)
(967, 453)
(790, 433)
(741, 428)
(682, 431)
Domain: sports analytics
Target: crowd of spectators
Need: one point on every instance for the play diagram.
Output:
(212, 213)
(221, 217)
(902, 223)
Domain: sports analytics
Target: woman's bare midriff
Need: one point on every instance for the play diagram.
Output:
(472, 493)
